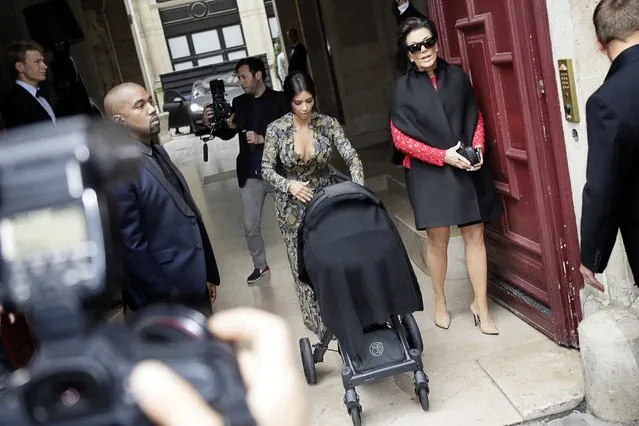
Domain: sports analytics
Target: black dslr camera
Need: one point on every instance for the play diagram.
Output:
(221, 112)
(58, 259)
(221, 107)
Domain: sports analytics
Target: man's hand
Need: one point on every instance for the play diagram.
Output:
(212, 291)
(207, 115)
(253, 138)
(589, 277)
(230, 122)
(12, 317)
(276, 394)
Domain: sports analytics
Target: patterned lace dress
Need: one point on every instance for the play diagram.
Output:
(279, 151)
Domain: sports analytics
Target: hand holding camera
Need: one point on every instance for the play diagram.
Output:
(218, 113)
(276, 394)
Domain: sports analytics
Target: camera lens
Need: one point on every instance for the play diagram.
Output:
(171, 324)
(66, 396)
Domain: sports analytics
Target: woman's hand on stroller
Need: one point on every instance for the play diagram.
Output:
(276, 394)
(452, 158)
(301, 191)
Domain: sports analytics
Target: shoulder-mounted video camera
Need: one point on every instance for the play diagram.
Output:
(58, 259)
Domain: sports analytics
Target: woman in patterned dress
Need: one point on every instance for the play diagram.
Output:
(297, 151)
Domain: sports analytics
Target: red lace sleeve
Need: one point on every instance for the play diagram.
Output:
(478, 137)
(417, 149)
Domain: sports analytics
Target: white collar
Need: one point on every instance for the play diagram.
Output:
(29, 88)
(403, 7)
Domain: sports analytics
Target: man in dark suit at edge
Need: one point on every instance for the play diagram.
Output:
(25, 104)
(168, 255)
(611, 193)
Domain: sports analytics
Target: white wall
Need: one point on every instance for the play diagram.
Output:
(572, 34)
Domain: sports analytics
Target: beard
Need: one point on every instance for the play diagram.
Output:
(154, 127)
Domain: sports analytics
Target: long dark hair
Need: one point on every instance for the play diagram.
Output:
(296, 83)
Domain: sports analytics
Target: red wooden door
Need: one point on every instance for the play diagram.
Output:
(533, 262)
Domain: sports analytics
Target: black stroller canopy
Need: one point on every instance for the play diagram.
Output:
(353, 257)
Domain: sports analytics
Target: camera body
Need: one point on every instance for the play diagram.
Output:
(59, 266)
(84, 382)
(221, 107)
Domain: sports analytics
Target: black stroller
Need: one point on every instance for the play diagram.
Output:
(352, 255)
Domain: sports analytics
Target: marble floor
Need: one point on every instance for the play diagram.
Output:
(517, 376)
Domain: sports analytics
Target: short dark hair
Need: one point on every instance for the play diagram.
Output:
(414, 24)
(616, 20)
(296, 83)
(16, 52)
(255, 65)
(293, 34)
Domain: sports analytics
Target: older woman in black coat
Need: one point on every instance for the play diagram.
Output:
(434, 113)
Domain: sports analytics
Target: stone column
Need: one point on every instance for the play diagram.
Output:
(153, 51)
(257, 32)
(154, 44)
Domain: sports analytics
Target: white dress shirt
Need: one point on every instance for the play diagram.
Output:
(34, 90)
(403, 7)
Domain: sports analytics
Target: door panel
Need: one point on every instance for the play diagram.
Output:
(496, 42)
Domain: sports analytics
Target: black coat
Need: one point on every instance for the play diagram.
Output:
(20, 108)
(443, 196)
(298, 60)
(255, 115)
(353, 257)
(611, 193)
(167, 251)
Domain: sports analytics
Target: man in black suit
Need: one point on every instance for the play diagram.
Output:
(167, 253)
(299, 55)
(25, 104)
(253, 111)
(611, 193)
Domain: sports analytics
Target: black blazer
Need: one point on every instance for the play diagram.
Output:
(611, 193)
(297, 62)
(167, 252)
(20, 108)
(253, 115)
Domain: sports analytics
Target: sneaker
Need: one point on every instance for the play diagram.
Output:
(257, 275)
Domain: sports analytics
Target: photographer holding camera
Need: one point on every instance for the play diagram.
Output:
(251, 113)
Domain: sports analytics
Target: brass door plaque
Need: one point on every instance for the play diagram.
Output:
(568, 90)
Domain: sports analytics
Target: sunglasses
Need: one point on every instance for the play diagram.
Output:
(429, 43)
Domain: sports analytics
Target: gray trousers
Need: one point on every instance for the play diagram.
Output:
(253, 195)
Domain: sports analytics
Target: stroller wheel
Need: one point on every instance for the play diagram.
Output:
(356, 416)
(308, 362)
(422, 393)
(414, 335)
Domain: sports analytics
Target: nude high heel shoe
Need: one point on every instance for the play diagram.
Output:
(442, 320)
(489, 328)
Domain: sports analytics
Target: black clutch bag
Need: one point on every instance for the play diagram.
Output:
(471, 154)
